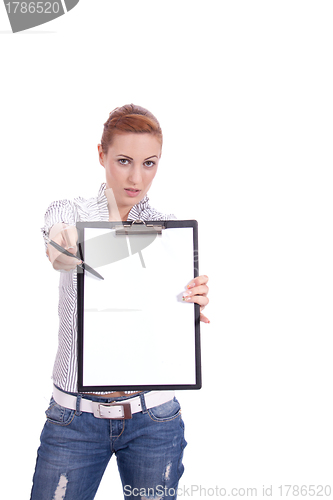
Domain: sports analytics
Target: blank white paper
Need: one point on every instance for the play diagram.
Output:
(137, 328)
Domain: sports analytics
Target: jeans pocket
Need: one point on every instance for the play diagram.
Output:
(60, 415)
(166, 411)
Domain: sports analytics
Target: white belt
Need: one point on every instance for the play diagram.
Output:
(116, 410)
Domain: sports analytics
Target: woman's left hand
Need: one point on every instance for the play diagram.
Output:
(196, 292)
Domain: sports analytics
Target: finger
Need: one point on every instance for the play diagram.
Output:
(55, 233)
(65, 267)
(70, 236)
(198, 290)
(204, 318)
(63, 262)
(202, 300)
(64, 235)
(200, 280)
(59, 259)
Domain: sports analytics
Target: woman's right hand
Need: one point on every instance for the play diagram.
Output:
(65, 236)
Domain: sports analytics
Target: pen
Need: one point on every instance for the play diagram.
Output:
(83, 265)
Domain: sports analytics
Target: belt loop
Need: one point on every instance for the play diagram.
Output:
(78, 404)
(143, 403)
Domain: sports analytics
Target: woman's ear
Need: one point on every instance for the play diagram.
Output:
(100, 154)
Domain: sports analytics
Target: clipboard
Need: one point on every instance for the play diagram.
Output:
(135, 332)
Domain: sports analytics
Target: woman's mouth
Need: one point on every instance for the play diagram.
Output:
(132, 192)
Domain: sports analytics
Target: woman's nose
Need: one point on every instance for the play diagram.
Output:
(135, 175)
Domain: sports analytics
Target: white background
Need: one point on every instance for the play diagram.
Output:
(243, 92)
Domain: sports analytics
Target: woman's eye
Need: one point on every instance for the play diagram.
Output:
(149, 163)
(123, 161)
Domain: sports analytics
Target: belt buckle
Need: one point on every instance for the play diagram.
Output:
(125, 415)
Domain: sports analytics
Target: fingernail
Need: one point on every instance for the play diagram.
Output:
(186, 295)
(191, 285)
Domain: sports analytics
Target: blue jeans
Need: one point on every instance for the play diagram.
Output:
(76, 448)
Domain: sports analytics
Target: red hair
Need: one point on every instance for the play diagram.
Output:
(128, 119)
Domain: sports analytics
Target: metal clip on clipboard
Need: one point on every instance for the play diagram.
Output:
(138, 226)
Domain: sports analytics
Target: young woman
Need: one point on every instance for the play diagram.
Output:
(75, 445)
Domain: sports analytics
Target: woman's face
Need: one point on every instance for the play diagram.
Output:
(130, 167)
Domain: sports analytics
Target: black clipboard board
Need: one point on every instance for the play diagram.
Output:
(135, 332)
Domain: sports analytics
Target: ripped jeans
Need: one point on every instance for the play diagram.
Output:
(76, 448)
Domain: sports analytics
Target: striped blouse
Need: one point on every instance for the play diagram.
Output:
(70, 212)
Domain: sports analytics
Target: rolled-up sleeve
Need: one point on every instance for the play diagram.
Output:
(59, 211)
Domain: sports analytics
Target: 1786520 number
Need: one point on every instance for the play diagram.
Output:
(305, 490)
(33, 7)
